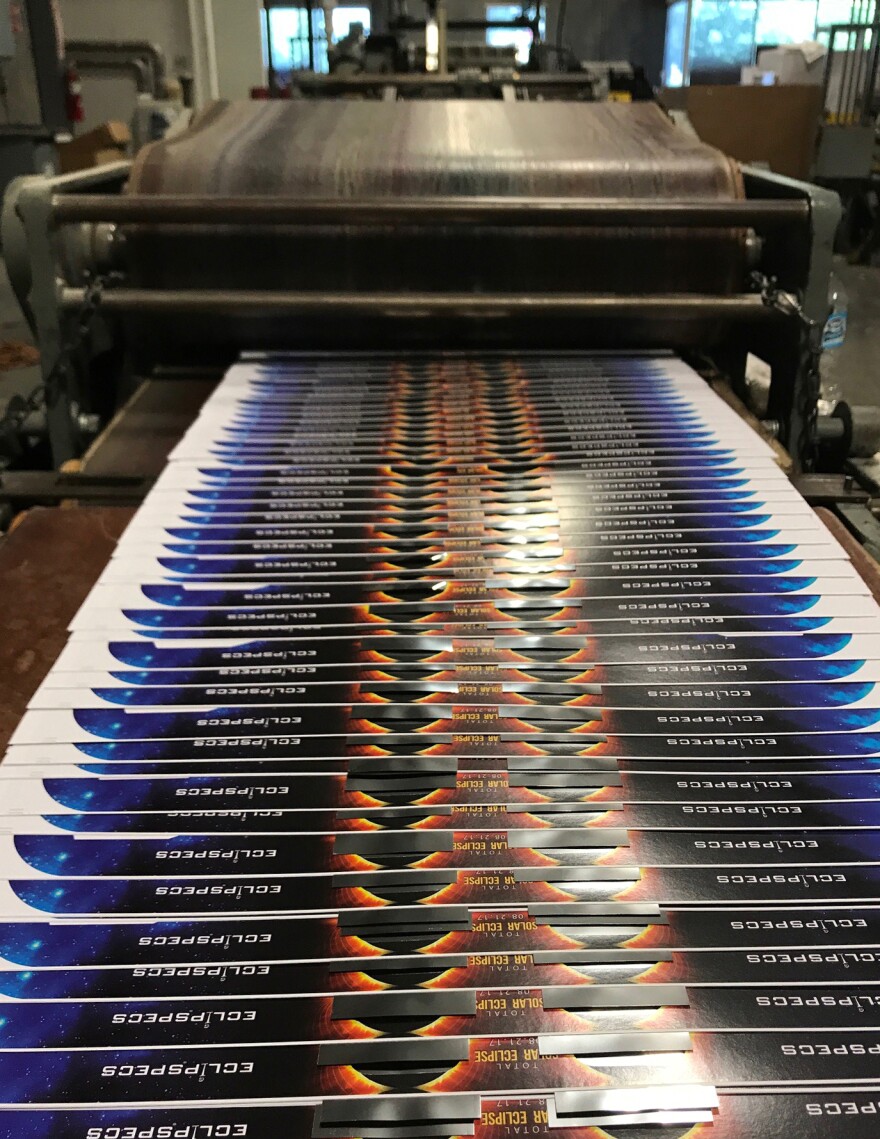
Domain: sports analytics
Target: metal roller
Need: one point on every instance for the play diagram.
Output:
(344, 151)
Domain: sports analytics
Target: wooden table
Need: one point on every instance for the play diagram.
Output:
(48, 564)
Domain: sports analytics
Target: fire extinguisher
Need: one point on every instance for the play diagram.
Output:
(73, 99)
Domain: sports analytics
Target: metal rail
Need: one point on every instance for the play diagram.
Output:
(599, 212)
(197, 302)
(857, 80)
(532, 80)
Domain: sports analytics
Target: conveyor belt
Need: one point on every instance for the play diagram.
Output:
(344, 150)
(454, 746)
(352, 280)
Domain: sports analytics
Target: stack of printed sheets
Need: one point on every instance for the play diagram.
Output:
(454, 746)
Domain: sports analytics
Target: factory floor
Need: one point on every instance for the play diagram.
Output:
(858, 363)
(856, 366)
(14, 327)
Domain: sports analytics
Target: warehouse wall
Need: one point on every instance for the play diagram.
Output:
(238, 39)
(234, 47)
(165, 22)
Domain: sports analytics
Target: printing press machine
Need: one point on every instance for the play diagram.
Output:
(473, 733)
(461, 224)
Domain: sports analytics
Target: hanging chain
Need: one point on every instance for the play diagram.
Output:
(809, 354)
(53, 387)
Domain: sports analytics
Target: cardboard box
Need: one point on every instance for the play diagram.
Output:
(105, 144)
(775, 125)
(795, 64)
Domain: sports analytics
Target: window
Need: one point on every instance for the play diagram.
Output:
(843, 12)
(344, 17)
(520, 38)
(725, 34)
(286, 35)
(785, 22)
(286, 40)
(673, 54)
(722, 39)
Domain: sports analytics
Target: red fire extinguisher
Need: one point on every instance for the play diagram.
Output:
(73, 99)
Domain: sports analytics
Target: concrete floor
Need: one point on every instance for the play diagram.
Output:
(13, 326)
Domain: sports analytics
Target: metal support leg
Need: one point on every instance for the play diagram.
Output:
(794, 354)
(34, 211)
(29, 238)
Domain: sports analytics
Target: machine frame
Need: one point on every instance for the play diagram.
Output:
(62, 234)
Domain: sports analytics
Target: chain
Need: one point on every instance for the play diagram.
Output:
(809, 353)
(52, 388)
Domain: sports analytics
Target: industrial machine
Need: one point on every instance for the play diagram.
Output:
(337, 225)
(461, 567)
(434, 56)
(37, 90)
(477, 74)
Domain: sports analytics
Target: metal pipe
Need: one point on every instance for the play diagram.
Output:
(271, 74)
(686, 53)
(442, 38)
(310, 33)
(828, 430)
(432, 44)
(143, 50)
(871, 79)
(516, 212)
(826, 77)
(537, 80)
(467, 25)
(143, 77)
(211, 49)
(194, 302)
(205, 70)
(852, 52)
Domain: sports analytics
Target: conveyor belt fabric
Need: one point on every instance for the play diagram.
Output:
(454, 746)
(344, 150)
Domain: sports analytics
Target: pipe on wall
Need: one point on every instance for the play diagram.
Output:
(104, 53)
(206, 72)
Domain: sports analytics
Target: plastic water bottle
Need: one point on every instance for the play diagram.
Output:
(833, 336)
